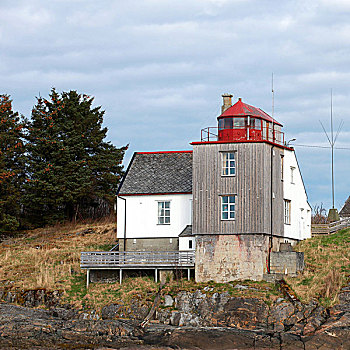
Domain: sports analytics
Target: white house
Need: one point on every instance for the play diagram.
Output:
(297, 211)
(155, 201)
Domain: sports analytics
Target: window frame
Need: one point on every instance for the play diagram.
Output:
(292, 174)
(287, 211)
(164, 216)
(229, 204)
(229, 160)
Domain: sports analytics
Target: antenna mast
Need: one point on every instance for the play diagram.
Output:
(332, 148)
(273, 97)
(332, 140)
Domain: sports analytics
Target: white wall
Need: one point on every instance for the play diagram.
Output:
(184, 243)
(142, 215)
(300, 227)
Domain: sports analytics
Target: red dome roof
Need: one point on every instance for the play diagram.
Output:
(241, 109)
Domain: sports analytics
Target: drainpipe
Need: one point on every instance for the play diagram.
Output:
(124, 199)
(271, 213)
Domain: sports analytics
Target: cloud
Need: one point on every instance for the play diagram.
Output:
(159, 67)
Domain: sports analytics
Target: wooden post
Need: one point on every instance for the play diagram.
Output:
(120, 276)
(87, 278)
(156, 275)
(188, 274)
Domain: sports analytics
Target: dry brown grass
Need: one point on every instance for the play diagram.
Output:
(327, 269)
(50, 257)
(47, 258)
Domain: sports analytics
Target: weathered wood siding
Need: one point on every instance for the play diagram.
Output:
(251, 185)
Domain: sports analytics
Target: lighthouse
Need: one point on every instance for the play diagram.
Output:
(243, 193)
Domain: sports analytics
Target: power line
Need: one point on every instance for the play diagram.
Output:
(316, 146)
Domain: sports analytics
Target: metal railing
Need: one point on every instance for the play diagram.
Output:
(137, 259)
(265, 134)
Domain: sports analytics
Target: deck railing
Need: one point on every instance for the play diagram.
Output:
(131, 259)
(326, 229)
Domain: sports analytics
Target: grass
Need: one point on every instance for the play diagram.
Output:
(327, 267)
(49, 258)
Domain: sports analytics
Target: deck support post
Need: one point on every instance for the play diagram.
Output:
(120, 276)
(188, 274)
(87, 278)
(156, 275)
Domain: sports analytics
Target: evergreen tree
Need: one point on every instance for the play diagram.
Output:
(11, 165)
(71, 165)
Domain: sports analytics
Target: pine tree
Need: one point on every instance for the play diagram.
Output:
(71, 165)
(11, 165)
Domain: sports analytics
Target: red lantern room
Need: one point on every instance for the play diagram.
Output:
(241, 122)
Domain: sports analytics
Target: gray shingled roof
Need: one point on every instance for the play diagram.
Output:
(187, 231)
(158, 173)
(345, 211)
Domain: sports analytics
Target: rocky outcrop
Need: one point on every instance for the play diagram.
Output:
(188, 320)
(31, 298)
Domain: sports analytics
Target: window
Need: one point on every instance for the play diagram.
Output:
(228, 207)
(255, 123)
(164, 213)
(239, 123)
(228, 123)
(287, 211)
(190, 244)
(228, 164)
(292, 168)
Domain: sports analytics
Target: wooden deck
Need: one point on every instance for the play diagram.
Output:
(132, 260)
(167, 260)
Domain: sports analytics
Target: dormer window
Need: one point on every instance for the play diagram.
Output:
(228, 164)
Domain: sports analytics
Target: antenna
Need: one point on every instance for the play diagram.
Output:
(332, 140)
(273, 97)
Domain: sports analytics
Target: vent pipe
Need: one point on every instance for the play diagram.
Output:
(227, 102)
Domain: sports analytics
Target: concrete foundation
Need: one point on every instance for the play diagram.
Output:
(149, 244)
(288, 263)
(224, 258)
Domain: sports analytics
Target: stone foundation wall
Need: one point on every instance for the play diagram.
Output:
(289, 263)
(149, 244)
(224, 258)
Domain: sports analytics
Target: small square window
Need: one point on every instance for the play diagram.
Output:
(228, 164)
(164, 213)
(228, 204)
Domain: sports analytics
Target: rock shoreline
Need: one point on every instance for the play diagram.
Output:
(189, 320)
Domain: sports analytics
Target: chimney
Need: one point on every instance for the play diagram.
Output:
(227, 102)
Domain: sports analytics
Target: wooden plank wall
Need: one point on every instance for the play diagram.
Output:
(252, 186)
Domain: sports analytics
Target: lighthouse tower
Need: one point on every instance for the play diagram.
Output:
(242, 205)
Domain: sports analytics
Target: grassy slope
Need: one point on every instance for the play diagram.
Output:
(49, 258)
(327, 267)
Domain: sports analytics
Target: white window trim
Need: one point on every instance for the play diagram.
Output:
(292, 175)
(163, 201)
(222, 163)
(289, 211)
(221, 204)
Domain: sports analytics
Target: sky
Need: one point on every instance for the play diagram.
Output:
(159, 67)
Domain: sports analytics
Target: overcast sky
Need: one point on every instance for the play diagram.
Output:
(158, 68)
